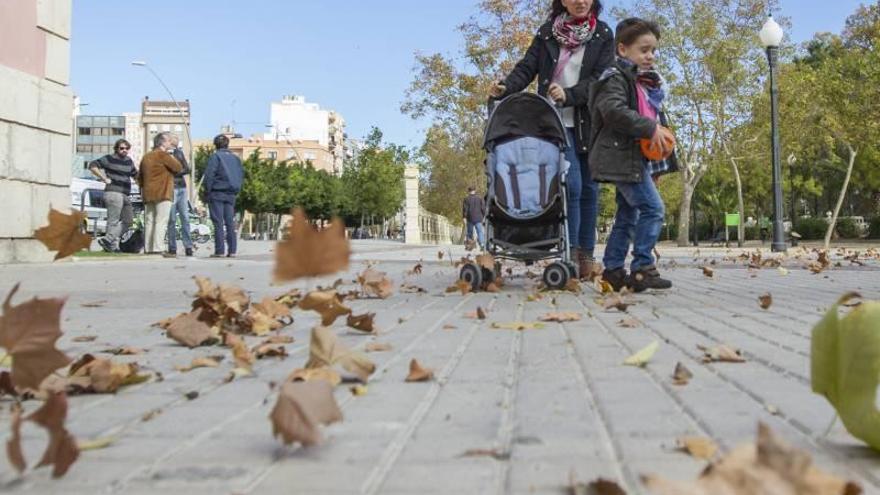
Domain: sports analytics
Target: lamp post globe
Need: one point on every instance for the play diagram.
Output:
(771, 37)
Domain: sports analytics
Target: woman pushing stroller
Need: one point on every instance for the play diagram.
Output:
(571, 50)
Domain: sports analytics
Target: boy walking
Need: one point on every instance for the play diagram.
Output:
(625, 105)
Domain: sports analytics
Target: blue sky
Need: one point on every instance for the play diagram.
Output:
(231, 58)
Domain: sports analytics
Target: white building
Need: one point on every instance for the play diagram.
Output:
(134, 134)
(296, 119)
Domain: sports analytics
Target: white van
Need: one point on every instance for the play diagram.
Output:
(87, 195)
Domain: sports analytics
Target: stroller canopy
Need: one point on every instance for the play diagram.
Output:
(524, 114)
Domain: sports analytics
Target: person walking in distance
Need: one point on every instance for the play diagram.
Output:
(473, 211)
(156, 178)
(116, 171)
(223, 178)
(180, 203)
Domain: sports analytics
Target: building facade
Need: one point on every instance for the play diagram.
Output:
(294, 119)
(36, 122)
(96, 134)
(278, 149)
(165, 116)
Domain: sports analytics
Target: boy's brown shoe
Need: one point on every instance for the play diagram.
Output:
(647, 278)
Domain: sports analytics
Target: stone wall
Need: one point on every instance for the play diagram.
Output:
(36, 122)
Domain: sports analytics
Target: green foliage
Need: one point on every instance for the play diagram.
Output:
(811, 228)
(848, 229)
(874, 228)
(372, 186)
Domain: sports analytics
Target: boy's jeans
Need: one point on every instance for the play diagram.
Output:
(179, 208)
(481, 237)
(583, 200)
(639, 219)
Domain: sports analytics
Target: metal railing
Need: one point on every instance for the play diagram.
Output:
(437, 229)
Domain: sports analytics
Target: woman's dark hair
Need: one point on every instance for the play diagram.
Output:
(557, 8)
(120, 142)
(629, 30)
(221, 142)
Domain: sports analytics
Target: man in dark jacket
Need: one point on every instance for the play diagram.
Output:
(116, 171)
(180, 203)
(473, 210)
(223, 178)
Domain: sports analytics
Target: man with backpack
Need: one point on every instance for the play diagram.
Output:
(223, 178)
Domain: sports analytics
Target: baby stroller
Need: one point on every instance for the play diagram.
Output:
(526, 195)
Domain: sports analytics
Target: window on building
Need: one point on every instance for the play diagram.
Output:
(310, 155)
(273, 155)
(85, 131)
(178, 128)
(118, 131)
(166, 127)
(84, 148)
(291, 154)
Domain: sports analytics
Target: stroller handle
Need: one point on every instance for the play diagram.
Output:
(492, 102)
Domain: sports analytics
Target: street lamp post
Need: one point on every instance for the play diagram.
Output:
(771, 37)
(186, 125)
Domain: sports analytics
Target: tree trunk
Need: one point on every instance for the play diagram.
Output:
(849, 168)
(741, 228)
(684, 215)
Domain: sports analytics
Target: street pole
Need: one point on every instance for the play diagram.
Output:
(186, 124)
(778, 244)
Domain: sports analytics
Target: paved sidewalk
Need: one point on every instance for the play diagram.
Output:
(551, 401)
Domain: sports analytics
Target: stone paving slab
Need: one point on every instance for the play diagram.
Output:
(554, 402)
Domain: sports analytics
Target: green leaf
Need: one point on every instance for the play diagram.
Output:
(845, 366)
(642, 357)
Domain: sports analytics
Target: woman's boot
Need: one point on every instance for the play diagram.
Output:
(588, 267)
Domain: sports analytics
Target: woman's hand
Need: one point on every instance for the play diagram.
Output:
(497, 90)
(557, 93)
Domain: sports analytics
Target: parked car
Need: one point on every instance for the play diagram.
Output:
(87, 195)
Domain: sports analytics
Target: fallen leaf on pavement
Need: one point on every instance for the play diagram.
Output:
(301, 409)
(200, 362)
(697, 447)
(449, 327)
(440, 255)
(29, 332)
(307, 374)
(64, 234)
(375, 284)
(782, 271)
(497, 454)
(517, 325)
(124, 351)
(494, 286)
(93, 304)
(265, 350)
(150, 415)
(377, 347)
(97, 375)
(363, 322)
(358, 390)
(602, 286)
(629, 323)
(309, 253)
(189, 329)
(419, 374)
(478, 314)
(765, 300)
(681, 375)
(721, 353)
(325, 350)
(642, 357)
(95, 443)
(85, 338)
(413, 289)
(62, 451)
(615, 300)
(278, 339)
(241, 355)
(461, 286)
(486, 261)
(573, 286)
(417, 270)
(561, 317)
(708, 272)
(290, 298)
(596, 487)
(771, 467)
(326, 303)
(13, 445)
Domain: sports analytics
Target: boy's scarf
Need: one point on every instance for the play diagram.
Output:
(651, 81)
(571, 34)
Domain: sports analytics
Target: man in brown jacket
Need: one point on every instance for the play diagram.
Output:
(156, 179)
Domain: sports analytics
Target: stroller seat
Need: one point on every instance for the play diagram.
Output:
(525, 175)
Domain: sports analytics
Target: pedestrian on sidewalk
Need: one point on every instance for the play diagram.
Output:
(473, 211)
(116, 171)
(626, 105)
(569, 52)
(223, 178)
(156, 178)
(180, 204)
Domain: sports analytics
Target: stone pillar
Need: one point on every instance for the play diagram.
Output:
(412, 234)
(36, 122)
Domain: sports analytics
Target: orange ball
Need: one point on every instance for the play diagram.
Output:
(657, 153)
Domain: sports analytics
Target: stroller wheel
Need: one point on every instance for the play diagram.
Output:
(572, 270)
(472, 274)
(556, 276)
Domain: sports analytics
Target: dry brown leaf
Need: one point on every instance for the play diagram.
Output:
(615, 300)
(13, 445)
(573, 286)
(771, 467)
(461, 286)
(326, 351)
(64, 233)
(190, 330)
(517, 325)
(6, 386)
(363, 322)
(266, 316)
(265, 350)
(62, 451)
(200, 362)
(597, 487)
(561, 317)
(93, 304)
(440, 255)
(417, 270)
(85, 338)
(29, 332)
(477, 314)
(486, 261)
(765, 300)
(278, 339)
(697, 447)
(307, 374)
(629, 323)
(375, 284)
(681, 375)
(419, 374)
(414, 289)
(449, 327)
(721, 353)
(309, 253)
(494, 286)
(497, 454)
(326, 303)
(290, 298)
(241, 355)
(301, 408)
(709, 272)
(358, 390)
(377, 347)
(124, 351)
(98, 375)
